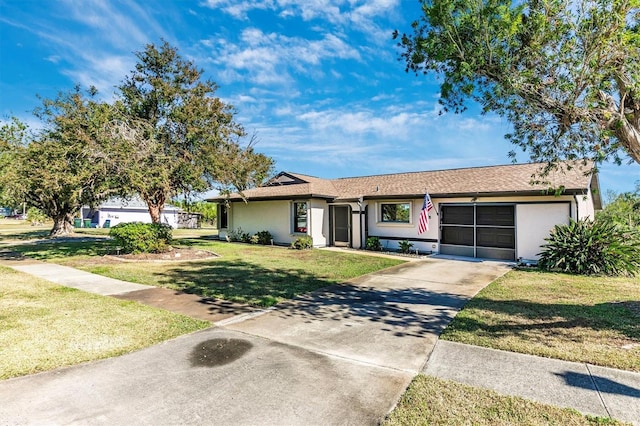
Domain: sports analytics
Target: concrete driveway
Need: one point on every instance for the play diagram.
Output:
(340, 356)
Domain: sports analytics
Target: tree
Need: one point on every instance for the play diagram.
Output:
(623, 209)
(12, 136)
(565, 73)
(179, 138)
(66, 164)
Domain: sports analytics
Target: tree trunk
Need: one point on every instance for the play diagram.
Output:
(629, 137)
(154, 211)
(62, 225)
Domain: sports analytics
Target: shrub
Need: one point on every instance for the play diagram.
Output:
(405, 246)
(239, 235)
(264, 237)
(373, 243)
(139, 237)
(591, 247)
(254, 239)
(302, 243)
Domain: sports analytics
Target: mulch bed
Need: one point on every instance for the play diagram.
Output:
(173, 255)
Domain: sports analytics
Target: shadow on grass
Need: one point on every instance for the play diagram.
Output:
(241, 281)
(404, 312)
(24, 236)
(619, 317)
(59, 248)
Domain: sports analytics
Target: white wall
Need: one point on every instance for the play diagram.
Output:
(318, 222)
(117, 215)
(585, 206)
(534, 223)
(256, 216)
(404, 230)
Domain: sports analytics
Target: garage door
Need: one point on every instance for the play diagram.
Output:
(478, 230)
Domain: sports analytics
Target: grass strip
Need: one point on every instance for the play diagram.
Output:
(46, 326)
(257, 275)
(433, 401)
(595, 320)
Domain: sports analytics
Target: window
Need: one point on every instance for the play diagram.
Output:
(395, 212)
(300, 217)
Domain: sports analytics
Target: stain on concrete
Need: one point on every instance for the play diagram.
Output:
(217, 352)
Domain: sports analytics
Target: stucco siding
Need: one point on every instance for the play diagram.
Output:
(534, 223)
(585, 206)
(256, 216)
(319, 222)
(376, 227)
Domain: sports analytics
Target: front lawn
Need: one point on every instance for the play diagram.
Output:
(46, 326)
(433, 401)
(258, 275)
(595, 320)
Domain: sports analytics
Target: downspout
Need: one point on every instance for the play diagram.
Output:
(360, 200)
(575, 197)
(309, 227)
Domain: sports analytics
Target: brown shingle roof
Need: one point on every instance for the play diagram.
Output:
(513, 178)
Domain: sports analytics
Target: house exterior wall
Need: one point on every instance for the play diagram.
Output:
(535, 217)
(400, 231)
(585, 206)
(256, 216)
(318, 222)
(534, 222)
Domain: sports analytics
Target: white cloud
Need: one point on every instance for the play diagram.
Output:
(269, 58)
(349, 14)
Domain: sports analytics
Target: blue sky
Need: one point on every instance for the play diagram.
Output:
(318, 81)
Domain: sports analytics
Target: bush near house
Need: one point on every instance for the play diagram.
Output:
(264, 237)
(302, 243)
(405, 246)
(374, 244)
(591, 248)
(139, 237)
(238, 235)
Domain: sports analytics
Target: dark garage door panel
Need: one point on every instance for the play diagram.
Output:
(493, 227)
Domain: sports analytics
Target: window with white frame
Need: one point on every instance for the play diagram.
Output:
(300, 211)
(395, 212)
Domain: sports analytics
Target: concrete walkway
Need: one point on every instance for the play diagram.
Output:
(343, 355)
(599, 391)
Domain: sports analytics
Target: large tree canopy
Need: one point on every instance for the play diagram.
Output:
(565, 73)
(65, 165)
(178, 137)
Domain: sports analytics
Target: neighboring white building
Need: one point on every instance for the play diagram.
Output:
(485, 212)
(119, 210)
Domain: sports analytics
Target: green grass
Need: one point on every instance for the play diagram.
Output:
(46, 326)
(594, 320)
(13, 229)
(257, 275)
(433, 401)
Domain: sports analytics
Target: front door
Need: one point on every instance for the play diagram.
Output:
(341, 226)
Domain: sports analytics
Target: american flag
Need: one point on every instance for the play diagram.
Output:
(427, 206)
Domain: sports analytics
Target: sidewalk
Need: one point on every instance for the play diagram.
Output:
(599, 391)
(192, 305)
